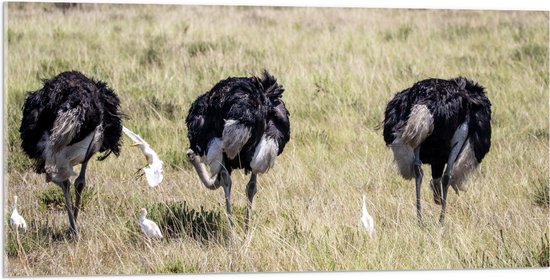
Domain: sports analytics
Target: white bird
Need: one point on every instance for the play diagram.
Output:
(150, 228)
(153, 171)
(366, 219)
(17, 220)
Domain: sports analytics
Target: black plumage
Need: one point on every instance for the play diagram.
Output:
(441, 123)
(57, 122)
(241, 123)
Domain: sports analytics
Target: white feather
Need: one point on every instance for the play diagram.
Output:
(153, 172)
(17, 220)
(403, 155)
(465, 163)
(149, 228)
(59, 165)
(419, 126)
(264, 155)
(366, 219)
(234, 137)
(214, 155)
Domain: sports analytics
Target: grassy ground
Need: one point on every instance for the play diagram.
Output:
(340, 67)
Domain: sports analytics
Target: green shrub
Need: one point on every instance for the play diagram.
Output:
(177, 266)
(53, 198)
(176, 218)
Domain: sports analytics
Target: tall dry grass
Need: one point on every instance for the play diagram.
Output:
(340, 67)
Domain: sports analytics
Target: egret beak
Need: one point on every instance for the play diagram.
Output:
(134, 144)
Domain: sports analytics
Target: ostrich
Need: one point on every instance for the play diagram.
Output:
(242, 122)
(64, 124)
(439, 122)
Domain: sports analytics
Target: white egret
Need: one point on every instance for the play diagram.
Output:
(17, 220)
(366, 219)
(153, 171)
(149, 228)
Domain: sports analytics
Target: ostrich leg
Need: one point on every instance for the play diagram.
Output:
(250, 192)
(80, 181)
(459, 138)
(226, 181)
(418, 175)
(222, 178)
(66, 186)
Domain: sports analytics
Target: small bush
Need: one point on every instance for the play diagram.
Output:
(53, 198)
(176, 218)
(174, 267)
(177, 267)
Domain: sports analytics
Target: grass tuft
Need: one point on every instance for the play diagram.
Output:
(531, 52)
(541, 191)
(543, 256)
(201, 47)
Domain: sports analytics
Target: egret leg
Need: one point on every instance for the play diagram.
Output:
(250, 192)
(459, 138)
(226, 180)
(66, 186)
(209, 181)
(418, 175)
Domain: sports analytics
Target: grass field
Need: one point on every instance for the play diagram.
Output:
(339, 67)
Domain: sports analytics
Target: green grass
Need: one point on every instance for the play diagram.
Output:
(339, 67)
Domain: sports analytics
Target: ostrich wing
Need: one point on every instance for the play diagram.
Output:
(65, 127)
